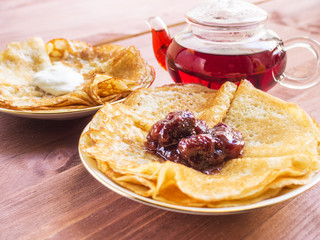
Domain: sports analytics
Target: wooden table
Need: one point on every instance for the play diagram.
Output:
(45, 191)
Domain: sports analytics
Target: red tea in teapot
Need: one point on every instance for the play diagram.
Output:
(229, 41)
(190, 66)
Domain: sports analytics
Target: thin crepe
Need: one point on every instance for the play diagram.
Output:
(110, 72)
(281, 145)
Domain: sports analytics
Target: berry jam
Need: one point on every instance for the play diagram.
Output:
(181, 138)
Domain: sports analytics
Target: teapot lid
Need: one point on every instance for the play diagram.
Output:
(226, 13)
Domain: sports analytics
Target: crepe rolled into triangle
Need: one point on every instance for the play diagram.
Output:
(280, 152)
(110, 73)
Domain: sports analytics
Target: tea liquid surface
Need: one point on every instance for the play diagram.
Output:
(260, 68)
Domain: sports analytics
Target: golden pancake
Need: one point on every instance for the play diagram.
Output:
(110, 73)
(281, 145)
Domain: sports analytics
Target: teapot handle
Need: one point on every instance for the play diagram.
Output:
(302, 82)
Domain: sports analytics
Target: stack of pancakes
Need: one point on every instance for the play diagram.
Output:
(110, 73)
(281, 145)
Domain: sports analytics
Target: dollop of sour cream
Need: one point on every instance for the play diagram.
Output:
(57, 79)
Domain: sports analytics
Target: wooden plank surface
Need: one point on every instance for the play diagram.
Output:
(46, 193)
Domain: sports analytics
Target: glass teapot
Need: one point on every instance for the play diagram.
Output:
(227, 40)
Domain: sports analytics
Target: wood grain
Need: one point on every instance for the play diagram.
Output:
(46, 193)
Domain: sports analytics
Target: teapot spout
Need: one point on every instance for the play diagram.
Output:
(160, 39)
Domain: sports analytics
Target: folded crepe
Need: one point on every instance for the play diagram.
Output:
(281, 145)
(110, 73)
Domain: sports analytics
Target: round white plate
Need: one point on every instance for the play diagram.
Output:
(91, 166)
(58, 114)
(61, 114)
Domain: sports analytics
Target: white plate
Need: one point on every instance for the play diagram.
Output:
(91, 166)
(58, 114)
(52, 114)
